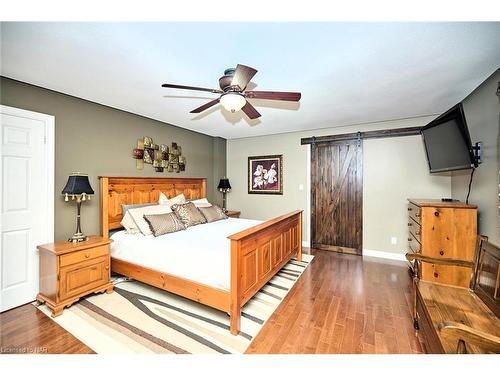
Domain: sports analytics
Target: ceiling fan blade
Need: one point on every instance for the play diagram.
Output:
(250, 111)
(172, 86)
(205, 106)
(242, 76)
(274, 95)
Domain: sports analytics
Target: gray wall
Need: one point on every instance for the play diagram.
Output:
(482, 111)
(394, 169)
(219, 163)
(98, 140)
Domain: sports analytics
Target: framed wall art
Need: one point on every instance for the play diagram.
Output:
(265, 174)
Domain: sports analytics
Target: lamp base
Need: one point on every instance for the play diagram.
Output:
(78, 237)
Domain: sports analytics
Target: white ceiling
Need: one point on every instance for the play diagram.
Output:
(348, 73)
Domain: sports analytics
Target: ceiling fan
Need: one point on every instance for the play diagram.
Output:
(233, 95)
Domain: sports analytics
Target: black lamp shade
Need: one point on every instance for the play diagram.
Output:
(78, 184)
(224, 184)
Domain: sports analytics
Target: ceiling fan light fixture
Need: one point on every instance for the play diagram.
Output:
(232, 101)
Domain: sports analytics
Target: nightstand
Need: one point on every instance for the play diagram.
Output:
(235, 214)
(69, 271)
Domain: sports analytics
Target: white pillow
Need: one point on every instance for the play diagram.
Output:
(203, 202)
(129, 224)
(138, 216)
(179, 199)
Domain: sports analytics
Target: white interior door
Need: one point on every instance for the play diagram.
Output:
(26, 201)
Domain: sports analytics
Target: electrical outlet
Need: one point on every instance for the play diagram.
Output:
(394, 240)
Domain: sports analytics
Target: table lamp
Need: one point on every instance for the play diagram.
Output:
(78, 187)
(224, 187)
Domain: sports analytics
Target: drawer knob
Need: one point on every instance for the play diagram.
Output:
(409, 239)
(436, 275)
(107, 267)
(441, 252)
(417, 214)
(410, 224)
(436, 213)
(410, 209)
(87, 255)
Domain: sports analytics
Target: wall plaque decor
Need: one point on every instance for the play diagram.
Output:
(161, 157)
(265, 174)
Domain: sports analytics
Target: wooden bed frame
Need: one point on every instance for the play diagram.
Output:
(257, 253)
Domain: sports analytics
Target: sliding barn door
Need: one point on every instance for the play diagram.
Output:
(337, 196)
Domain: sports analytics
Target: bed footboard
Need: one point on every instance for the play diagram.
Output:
(257, 254)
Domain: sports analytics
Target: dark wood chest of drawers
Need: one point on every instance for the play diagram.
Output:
(443, 230)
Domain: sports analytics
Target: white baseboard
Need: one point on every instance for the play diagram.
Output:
(383, 254)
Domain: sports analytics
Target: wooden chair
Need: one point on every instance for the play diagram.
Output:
(453, 319)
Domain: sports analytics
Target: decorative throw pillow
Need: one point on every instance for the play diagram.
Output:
(129, 224)
(164, 223)
(189, 214)
(213, 213)
(203, 202)
(138, 216)
(178, 199)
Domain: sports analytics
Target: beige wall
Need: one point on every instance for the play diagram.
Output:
(393, 170)
(98, 140)
(482, 111)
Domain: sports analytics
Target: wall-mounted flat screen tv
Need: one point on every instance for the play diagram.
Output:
(447, 142)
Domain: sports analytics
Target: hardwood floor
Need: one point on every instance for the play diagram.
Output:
(344, 304)
(341, 304)
(26, 330)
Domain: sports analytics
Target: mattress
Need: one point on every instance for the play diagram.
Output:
(201, 253)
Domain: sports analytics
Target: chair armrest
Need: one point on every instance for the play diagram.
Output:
(445, 261)
(458, 331)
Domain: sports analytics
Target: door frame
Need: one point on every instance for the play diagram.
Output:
(49, 167)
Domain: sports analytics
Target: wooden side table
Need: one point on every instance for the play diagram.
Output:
(69, 271)
(235, 214)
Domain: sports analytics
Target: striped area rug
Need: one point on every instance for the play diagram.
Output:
(138, 318)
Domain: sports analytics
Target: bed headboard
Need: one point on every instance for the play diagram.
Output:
(116, 191)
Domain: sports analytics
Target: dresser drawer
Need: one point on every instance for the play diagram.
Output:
(414, 230)
(414, 245)
(414, 212)
(83, 255)
(84, 277)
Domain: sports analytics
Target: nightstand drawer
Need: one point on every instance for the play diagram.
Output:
(83, 255)
(83, 277)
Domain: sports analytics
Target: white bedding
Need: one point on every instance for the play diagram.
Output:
(201, 253)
